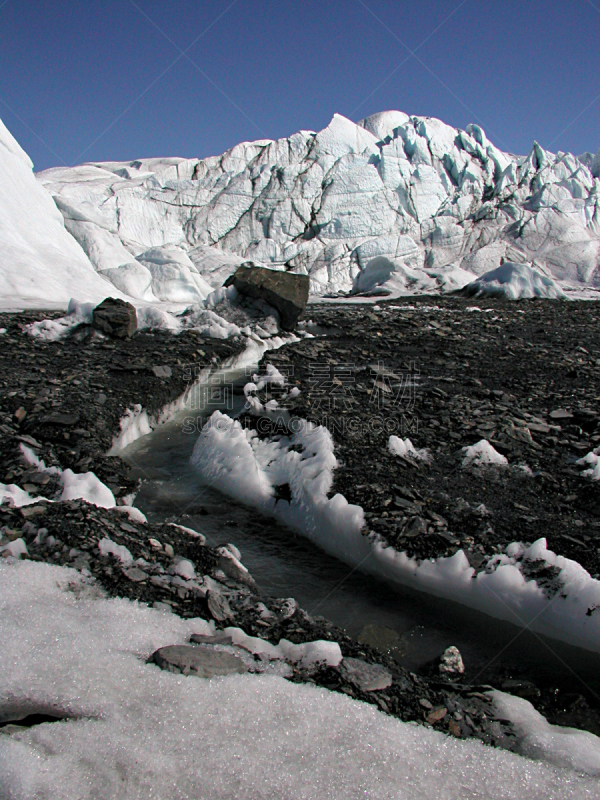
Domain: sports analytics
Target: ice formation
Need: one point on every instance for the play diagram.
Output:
(392, 203)
(290, 478)
(41, 265)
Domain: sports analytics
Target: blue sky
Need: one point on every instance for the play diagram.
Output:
(92, 80)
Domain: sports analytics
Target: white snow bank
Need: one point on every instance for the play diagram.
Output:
(86, 486)
(239, 463)
(76, 486)
(140, 732)
(307, 654)
(592, 461)
(406, 449)
(537, 738)
(516, 282)
(107, 547)
(250, 470)
(481, 454)
(15, 496)
(41, 265)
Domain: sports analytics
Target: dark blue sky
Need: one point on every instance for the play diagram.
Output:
(85, 80)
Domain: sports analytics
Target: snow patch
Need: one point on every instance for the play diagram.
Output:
(482, 454)
(237, 736)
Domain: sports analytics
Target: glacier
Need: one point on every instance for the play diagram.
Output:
(41, 264)
(391, 204)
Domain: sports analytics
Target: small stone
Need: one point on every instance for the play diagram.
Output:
(162, 372)
(454, 728)
(169, 550)
(437, 715)
(367, 677)
(425, 703)
(451, 662)
(561, 414)
(155, 544)
(135, 574)
(62, 419)
(32, 511)
(20, 414)
(218, 607)
(203, 662)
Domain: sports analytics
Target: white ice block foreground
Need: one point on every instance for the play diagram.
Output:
(261, 473)
(138, 732)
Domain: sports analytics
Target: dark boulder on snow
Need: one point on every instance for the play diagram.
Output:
(285, 291)
(116, 318)
(204, 662)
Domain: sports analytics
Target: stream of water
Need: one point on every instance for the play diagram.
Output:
(415, 628)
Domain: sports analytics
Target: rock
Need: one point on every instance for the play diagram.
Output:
(62, 419)
(436, 715)
(367, 677)
(32, 511)
(218, 607)
(561, 414)
(202, 662)
(162, 372)
(451, 662)
(285, 291)
(116, 318)
(134, 574)
(20, 414)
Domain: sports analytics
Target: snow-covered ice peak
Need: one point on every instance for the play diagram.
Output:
(396, 202)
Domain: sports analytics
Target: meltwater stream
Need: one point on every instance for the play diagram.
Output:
(413, 627)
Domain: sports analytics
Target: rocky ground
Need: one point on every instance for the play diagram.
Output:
(446, 374)
(64, 401)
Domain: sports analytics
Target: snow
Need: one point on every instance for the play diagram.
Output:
(592, 461)
(41, 265)
(305, 655)
(537, 738)
(107, 547)
(241, 465)
(482, 454)
(136, 731)
(237, 462)
(515, 282)
(14, 495)
(86, 486)
(405, 448)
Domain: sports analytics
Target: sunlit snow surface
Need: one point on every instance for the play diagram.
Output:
(138, 732)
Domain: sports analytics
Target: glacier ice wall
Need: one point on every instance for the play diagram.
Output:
(41, 265)
(405, 202)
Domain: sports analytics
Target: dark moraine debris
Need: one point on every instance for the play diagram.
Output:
(116, 318)
(285, 291)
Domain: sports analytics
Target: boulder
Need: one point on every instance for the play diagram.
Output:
(366, 677)
(115, 317)
(199, 661)
(285, 291)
